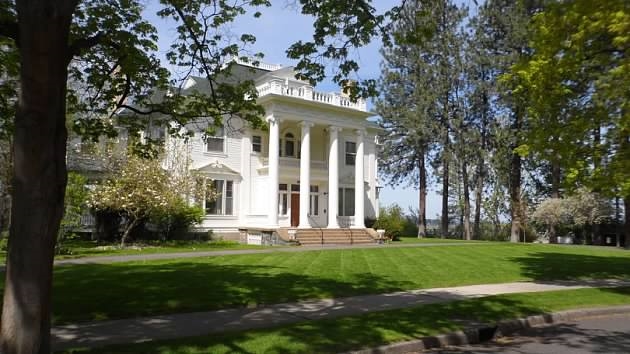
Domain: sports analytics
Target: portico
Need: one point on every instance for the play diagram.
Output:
(319, 189)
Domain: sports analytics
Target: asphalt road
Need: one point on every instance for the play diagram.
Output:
(594, 335)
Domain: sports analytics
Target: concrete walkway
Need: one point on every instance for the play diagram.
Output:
(159, 256)
(95, 334)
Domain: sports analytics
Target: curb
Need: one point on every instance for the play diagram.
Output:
(482, 334)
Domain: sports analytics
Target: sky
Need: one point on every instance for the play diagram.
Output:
(281, 25)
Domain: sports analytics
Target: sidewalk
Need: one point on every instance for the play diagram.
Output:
(95, 334)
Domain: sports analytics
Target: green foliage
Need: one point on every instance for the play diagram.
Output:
(4, 241)
(175, 218)
(575, 84)
(393, 220)
(75, 204)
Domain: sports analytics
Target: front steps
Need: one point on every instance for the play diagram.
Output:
(317, 236)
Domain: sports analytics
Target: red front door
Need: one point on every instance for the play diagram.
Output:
(295, 210)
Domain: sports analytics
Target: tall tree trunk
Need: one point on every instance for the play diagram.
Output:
(39, 174)
(478, 195)
(515, 182)
(445, 182)
(555, 193)
(467, 234)
(626, 228)
(515, 197)
(422, 197)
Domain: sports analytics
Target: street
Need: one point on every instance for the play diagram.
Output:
(593, 335)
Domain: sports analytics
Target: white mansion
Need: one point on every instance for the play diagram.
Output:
(315, 167)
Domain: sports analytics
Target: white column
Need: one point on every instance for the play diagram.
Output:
(274, 160)
(359, 186)
(333, 177)
(305, 174)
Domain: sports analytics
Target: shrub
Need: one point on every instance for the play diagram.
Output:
(392, 220)
(176, 218)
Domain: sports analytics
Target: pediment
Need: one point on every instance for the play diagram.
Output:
(217, 168)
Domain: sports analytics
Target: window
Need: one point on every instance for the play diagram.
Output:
(346, 201)
(215, 143)
(313, 208)
(219, 197)
(289, 145)
(256, 143)
(283, 199)
(351, 152)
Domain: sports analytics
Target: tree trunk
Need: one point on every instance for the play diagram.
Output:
(515, 197)
(626, 228)
(478, 195)
(444, 226)
(39, 174)
(467, 235)
(555, 193)
(479, 178)
(128, 230)
(422, 198)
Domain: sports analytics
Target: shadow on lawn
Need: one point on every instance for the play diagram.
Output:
(107, 291)
(561, 266)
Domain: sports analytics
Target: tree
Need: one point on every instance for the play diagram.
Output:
(109, 48)
(506, 23)
(588, 209)
(408, 125)
(578, 71)
(143, 190)
(551, 213)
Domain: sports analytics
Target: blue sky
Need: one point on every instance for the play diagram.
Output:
(279, 27)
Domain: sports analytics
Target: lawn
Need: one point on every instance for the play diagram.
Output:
(120, 290)
(373, 329)
(414, 239)
(80, 248)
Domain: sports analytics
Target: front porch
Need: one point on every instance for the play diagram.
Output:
(305, 188)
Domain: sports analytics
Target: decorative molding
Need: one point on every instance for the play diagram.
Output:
(306, 124)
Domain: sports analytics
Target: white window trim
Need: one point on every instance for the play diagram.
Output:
(234, 213)
(311, 198)
(345, 152)
(262, 144)
(216, 153)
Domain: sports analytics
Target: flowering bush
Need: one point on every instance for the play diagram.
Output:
(143, 190)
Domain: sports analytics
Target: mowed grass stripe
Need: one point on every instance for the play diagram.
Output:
(105, 291)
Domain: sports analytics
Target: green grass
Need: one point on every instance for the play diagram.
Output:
(80, 249)
(373, 329)
(121, 290)
(414, 239)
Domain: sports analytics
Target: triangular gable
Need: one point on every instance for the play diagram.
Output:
(217, 168)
